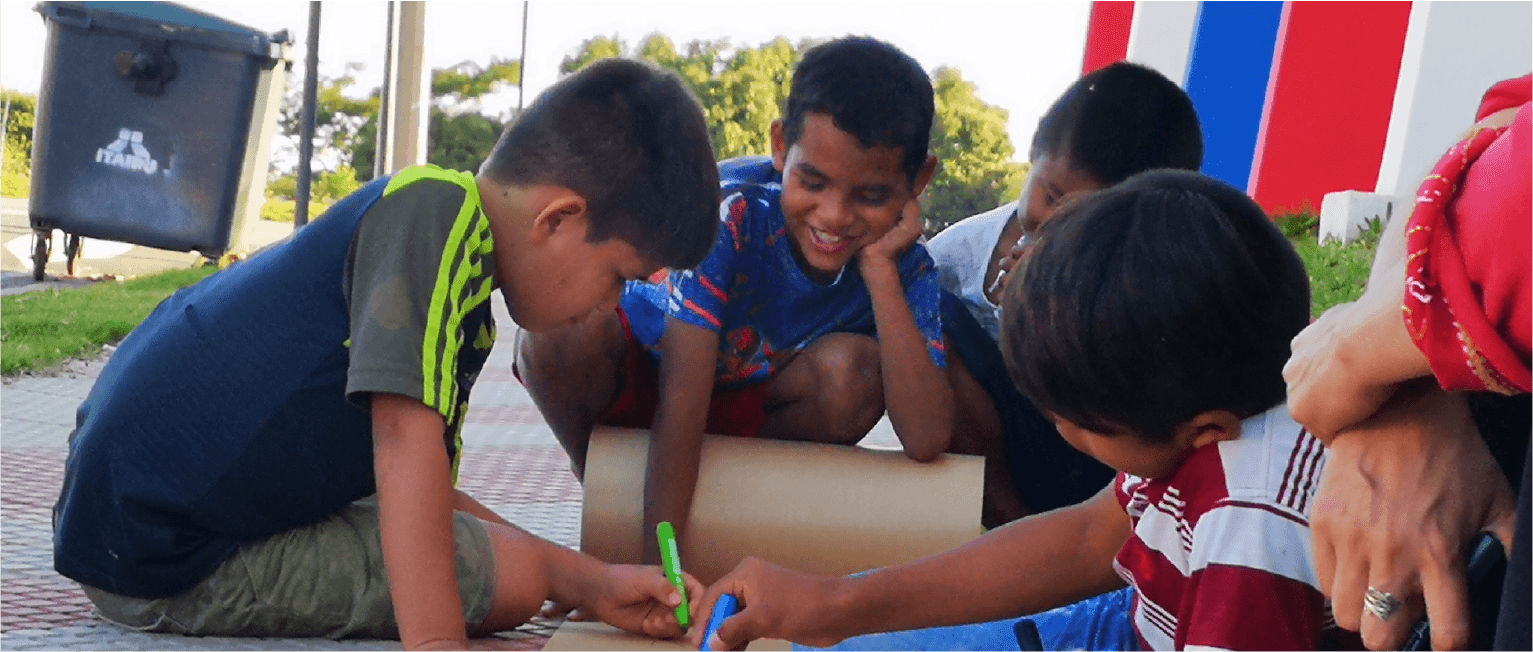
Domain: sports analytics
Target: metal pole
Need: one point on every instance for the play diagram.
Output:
(411, 110)
(521, 64)
(382, 144)
(306, 129)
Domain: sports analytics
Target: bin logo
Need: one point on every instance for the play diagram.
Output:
(128, 152)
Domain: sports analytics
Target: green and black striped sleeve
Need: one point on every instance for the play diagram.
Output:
(420, 275)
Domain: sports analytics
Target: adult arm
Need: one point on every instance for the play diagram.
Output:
(1400, 496)
(675, 449)
(916, 391)
(1037, 563)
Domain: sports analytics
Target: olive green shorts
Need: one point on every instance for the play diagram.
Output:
(321, 580)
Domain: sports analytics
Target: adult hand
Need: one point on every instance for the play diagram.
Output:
(1350, 361)
(775, 602)
(898, 239)
(639, 599)
(1401, 496)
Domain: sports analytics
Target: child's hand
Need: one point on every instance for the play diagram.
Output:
(905, 233)
(775, 602)
(639, 599)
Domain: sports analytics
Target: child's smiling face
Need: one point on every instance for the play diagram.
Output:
(837, 196)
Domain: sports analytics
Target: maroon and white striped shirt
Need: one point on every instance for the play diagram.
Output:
(1221, 555)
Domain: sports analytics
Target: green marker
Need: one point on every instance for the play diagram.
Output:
(670, 560)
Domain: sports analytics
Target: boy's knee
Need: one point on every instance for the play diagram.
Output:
(848, 385)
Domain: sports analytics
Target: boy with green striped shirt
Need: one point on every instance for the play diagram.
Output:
(272, 452)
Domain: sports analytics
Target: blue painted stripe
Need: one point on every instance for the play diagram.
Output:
(1227, 80)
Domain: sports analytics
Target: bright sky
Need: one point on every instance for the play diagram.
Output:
(1021, 55)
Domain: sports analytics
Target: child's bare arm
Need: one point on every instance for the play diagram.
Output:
(686, 385)
(916, 391)
(415, 507)
(1040, 562)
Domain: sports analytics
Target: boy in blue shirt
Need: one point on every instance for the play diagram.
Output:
(220, 479)
(772, 335)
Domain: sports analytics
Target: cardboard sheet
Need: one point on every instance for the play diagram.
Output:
(597, 636)
(826, 509)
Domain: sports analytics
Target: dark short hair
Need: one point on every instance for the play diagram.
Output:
(1151, 302)
(871, 90)
(631, 139)
(1120, 120)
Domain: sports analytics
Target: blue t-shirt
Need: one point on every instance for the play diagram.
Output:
(237, 409)
(752, 292)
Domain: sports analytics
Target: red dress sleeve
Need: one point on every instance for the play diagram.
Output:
(1468, 294)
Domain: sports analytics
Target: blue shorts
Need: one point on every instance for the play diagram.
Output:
(1049, 473)
(1104, 622)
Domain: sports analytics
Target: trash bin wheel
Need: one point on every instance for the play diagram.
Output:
(42, 248)
(71, 252)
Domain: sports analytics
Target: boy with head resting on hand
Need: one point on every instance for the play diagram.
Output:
(273, 451)
(815, 309)
(1159, 313)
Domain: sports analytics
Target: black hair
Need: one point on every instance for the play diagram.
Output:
(631, 139)
(871, 90)
(1121, 120)
(1153, 301)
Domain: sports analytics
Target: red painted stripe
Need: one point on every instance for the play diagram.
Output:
(1328, 101)
(1107, 33)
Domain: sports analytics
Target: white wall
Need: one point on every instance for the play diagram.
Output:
(1454, 51)
(1161, 36)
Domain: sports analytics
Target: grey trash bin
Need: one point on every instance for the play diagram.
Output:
(153, 125)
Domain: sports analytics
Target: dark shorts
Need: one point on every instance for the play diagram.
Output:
(1049, 473)
(737, 411)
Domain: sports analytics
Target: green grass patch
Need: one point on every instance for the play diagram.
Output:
(41, 329)
(1337, 272)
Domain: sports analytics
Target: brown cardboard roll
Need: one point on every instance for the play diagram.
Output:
(819, 508)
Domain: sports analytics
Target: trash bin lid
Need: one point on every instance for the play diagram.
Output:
(166, 20)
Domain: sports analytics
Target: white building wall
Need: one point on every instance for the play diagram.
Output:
(1454, 51)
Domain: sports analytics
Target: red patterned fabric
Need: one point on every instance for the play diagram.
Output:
(1467, 294)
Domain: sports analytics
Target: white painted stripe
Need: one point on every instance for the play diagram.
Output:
(1453, 52)
(1161, 36)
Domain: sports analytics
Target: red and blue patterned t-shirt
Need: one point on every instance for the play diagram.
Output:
(752, 292)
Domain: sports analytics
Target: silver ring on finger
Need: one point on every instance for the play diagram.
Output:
(1380, 603)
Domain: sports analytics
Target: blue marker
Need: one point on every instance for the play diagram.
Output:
(726, 606)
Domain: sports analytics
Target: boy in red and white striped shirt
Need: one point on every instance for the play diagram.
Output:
(1151, 323)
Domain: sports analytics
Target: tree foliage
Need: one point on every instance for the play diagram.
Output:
(970, 140)
(743, 89)
(20, 117)
(459, 136)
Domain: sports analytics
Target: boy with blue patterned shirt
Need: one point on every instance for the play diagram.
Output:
(773, 334)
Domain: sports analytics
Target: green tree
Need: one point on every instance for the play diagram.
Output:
(974, 151)
(743, 89)
(593, 49)
(20, 117)
(338, 118)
